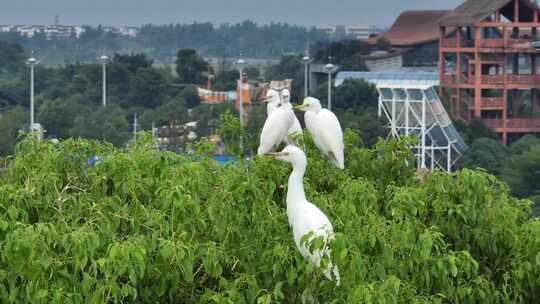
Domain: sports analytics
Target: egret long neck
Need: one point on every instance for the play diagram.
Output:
(295, 191)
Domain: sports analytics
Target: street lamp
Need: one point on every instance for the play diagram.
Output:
(104, 59)
(240, 63)
(306, 60)
(32, 62)
(329, 69)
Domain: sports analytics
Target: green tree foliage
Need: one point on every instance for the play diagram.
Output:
(190, 96)
(190, 67)
(11, 57)
(486, 153)
(11, 122)
(149, 87)
(522, 169)
(347, 54)
(108, 124)
(147, 226)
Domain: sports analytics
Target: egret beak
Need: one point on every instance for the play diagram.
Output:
(299, 107)
(267, 99)
(276, 154)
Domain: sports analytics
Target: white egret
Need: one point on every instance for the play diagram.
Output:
(286, 102)
(275, 129)
(273, 101)
(325, 129)
(304, 217)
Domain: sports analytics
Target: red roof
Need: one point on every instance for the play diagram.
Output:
(414, 27)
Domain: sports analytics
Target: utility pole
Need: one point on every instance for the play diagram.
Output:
(135, 128)
(306, 61)
(241, 64)
(32, 62)
(329, 69)
(104, 59)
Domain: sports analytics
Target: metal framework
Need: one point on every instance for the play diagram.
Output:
(417, 111)
(412, 107)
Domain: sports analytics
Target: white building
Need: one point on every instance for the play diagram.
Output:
(327, 29)
(360, 31)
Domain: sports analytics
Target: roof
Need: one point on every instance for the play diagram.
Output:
(423, 79)
(414, 27)
(471, 12)
(385, 55)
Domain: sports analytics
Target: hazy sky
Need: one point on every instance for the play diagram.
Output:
(137, 12)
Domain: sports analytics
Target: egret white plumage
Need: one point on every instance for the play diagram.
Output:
(304, 217)
(286, 102)
(273, 101)
(275, 129)
(325, 129)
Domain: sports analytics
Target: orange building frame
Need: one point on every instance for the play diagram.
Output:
(484, 65)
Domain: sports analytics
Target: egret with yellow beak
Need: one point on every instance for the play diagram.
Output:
(325, 129)
(305, 219)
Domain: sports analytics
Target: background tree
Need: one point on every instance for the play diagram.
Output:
(11, 122)
(190, 67)
(109, 124)
(148, 88)
(486, 153)
(190, 96)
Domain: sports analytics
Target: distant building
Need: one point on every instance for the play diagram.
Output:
(414, 43)
(51, 31)
(361, 32)
(490, 66)
(128, 31)
(328, 29)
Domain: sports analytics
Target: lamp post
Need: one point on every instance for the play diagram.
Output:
(306, 61)
(32, 62)
(329, 69)
(104, 59)
(240, 63)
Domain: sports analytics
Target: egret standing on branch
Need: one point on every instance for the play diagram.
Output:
(273, 101)
(275, 129)
(305, 219)
(325, 129)
(286, 102)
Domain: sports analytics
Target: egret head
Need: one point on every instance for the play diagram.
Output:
(310, 104)
(291, 154)
(272, 96)
(285, 96)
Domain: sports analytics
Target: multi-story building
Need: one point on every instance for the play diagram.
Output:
(413, 43)
(489, 61)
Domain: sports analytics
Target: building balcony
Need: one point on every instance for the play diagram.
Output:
(498, 80)
(517, 125)
(500, 43)
(492, 103)
(524, 79)
(454, 43)
(492, 79)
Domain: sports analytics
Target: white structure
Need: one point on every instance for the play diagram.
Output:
(327, 28)
(360, 32)
(32, 62)
(104, 59)
(329, 68)
(412, 107)
(306, 60)
(241, 63)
